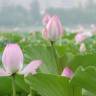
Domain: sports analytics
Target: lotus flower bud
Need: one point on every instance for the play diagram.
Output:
(67, 72)
(82, 48)
(12, 58)
(53, 30)
(80, 37)
(46, 19)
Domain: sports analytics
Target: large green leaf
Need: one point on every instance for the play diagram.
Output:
(49, 85)
(85, 78)
(84, 60)
(75, 91)
(43, 53)
(6, 86)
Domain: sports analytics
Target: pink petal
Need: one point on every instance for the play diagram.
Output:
(46, 19)
(45, 33)
(31, 68)
(67, 72)
(12, 58)
(3, 73)
(80, 37)
(60, 27)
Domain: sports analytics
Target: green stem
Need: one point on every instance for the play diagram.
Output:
(31, 92)
(75, 91)
(55, 56)
(13, 86)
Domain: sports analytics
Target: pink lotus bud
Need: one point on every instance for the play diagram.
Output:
(12, 58)
(46, 19)
(31, 68)
(67, 72)
(53, 30)
(82, 47)
(80, 37)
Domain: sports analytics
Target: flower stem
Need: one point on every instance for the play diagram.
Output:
(31, 92)
(13, 86)
(56, 58)
(75, 91)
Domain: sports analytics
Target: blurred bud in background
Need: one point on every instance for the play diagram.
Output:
(80, 37)
(46, 19)
(82, 48)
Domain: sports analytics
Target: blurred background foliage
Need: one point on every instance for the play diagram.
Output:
(14, 16)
